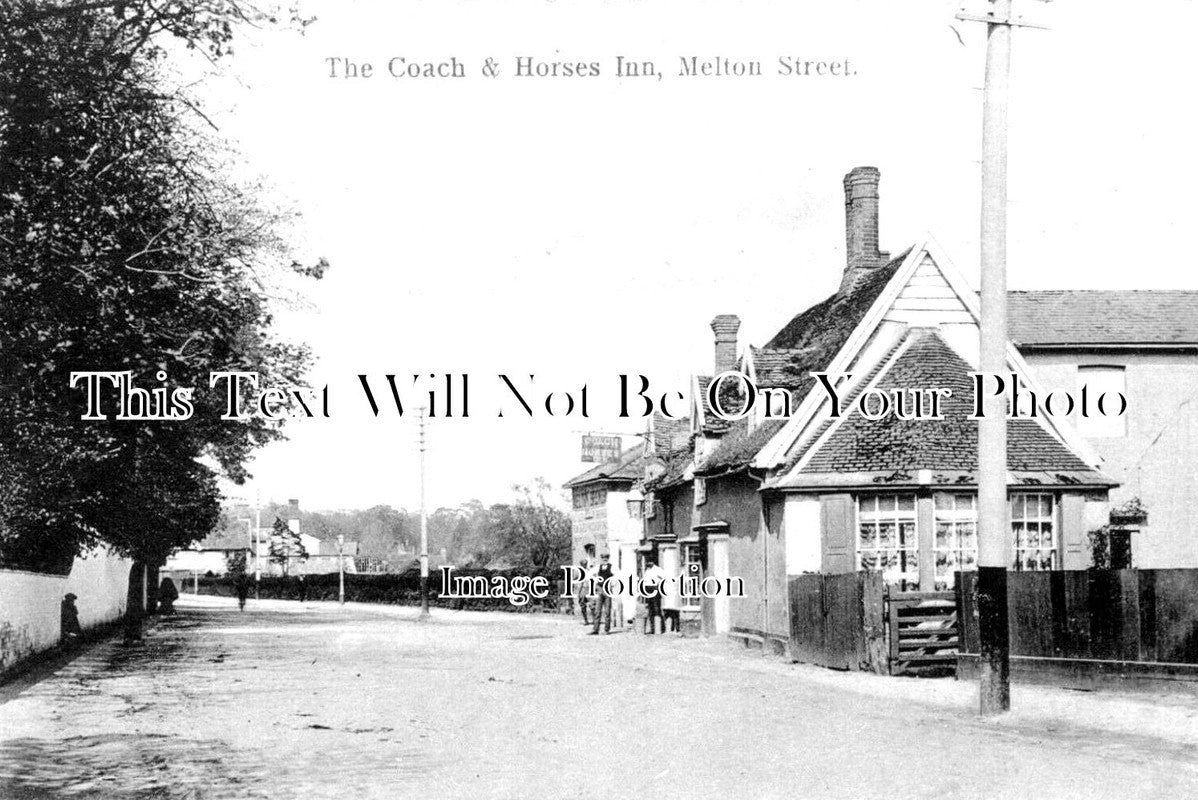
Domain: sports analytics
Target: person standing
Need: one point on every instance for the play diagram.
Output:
(603, 609)
(70, 619)
(303, 589)
(583, 596)
(654, 583)
(242, 585)
(168, 593)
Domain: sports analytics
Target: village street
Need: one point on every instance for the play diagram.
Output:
(291, 701)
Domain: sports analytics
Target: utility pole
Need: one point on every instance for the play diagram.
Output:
(341, 568)
(257, 544)
(994, 530)
(423, 527)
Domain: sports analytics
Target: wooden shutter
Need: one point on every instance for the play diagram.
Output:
(837, 533)
(1075, 552)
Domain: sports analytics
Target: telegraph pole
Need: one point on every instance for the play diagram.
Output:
(423, 527)
(257, 544)
(341, 568)
(993, 521)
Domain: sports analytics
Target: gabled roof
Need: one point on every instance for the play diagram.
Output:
(928, 253)
(805, 344)
(891, 450)
(629, 467)
(1103, 318)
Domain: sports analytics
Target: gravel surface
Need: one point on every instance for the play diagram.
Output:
(314, 701)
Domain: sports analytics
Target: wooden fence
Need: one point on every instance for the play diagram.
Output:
(838, 621)
(1100, 615)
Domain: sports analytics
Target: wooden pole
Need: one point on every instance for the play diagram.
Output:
(994, 528)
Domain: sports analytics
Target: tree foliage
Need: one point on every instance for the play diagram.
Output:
(123, 247)
(530, 532)
(286, 545)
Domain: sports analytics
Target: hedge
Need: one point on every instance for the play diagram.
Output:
(390, 588)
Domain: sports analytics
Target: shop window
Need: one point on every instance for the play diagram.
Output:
(956, 520)
(1035, 532)
(886, 539)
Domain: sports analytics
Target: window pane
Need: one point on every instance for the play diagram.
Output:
(943, 501)
(885, 534)
(906, 502)
(967, 534)
(944, 536)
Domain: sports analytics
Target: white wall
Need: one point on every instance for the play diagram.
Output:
(801, 528)
(31, 603)
(1156, 459)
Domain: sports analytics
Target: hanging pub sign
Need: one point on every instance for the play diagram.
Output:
(599, 449)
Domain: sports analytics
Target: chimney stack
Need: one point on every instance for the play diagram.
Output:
(861, 226)
(725, 327)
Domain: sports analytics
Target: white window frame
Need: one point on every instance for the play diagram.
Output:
(957, 512)
(1026, 555)
(873, 512)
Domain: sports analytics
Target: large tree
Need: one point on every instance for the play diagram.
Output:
(123, 247)
(530, 532)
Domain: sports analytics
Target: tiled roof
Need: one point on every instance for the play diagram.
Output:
(738, 446)
(807, 343)
(847, 399)
(676, 464)
(776, 366)
(222, 539)
(711, 423)
(630, 466)
(1103, 318)
(860, 445)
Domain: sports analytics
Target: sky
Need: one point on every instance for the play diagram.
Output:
(577, 229)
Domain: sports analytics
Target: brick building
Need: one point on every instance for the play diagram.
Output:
(605, 517)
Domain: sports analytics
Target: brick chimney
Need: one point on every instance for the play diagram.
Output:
(861, 226)
(725, 327)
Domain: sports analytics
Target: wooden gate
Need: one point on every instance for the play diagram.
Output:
(837, 621)
(923, 633)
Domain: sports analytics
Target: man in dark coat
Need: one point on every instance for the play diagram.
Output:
(167, 595)
(70, 618)
(242, 584)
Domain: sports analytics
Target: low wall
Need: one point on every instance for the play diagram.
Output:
(31, 603)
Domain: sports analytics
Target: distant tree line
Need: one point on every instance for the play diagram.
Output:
(526, 532)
